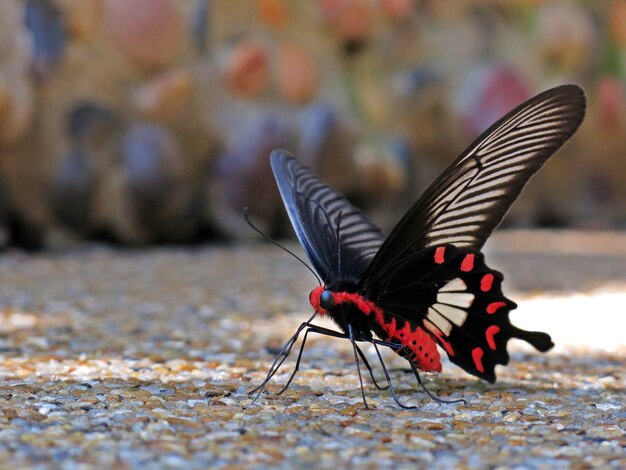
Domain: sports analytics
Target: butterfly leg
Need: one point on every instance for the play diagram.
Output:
(280, 358)
(358, 365)
(390, 386)
(369, 369)
(431, 395)
(310, 329)
(334, 334)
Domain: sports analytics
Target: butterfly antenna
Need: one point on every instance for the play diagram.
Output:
(270, 239)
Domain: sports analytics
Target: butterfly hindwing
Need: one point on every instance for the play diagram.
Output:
(339, 239)
(454, 296)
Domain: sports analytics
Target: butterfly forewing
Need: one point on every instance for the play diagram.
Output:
(466, 203)
(339, 239)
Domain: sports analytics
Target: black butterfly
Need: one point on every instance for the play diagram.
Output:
(426, 284)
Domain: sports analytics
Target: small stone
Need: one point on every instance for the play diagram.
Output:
(45, 23)
(146, 31)
(88, 120)
(16, 106)
(82, 17)
(608, 406)
(273, 12)
(72, 190)
(566, 35)
(245, 68)
(326, 145)
(512, 417)
(298, 77)
(164, 96)
(351, 21)
(157, 183)
(606, 432)
(397, 9)
(243, 178)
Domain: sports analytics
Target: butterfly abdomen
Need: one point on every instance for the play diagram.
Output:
(416, 344)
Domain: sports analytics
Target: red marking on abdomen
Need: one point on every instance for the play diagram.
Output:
(468, 263)
(489, 334)
(494, 306)
(422, 345)
(440, 252)
(486, 282)
(477, 355)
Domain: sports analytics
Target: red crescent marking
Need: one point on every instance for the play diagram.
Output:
(491, 331)
(493, 307)
(439, 254)
(468, 263)
(477, 355)
(486, 282)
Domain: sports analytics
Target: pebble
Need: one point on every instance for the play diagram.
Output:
(566, 34)
(164, 96)
(298, 75)
(72, 191)
(82, 17)
(157, 183)
(145, 31)
(48, 37)
(245, 68)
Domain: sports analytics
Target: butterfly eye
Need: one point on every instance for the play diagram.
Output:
(327, 301)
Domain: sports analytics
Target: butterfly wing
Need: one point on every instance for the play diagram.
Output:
(339, 240)
(429, 273)
(467, 202)
(454, 296)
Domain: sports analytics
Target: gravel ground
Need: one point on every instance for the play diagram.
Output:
(142, 359)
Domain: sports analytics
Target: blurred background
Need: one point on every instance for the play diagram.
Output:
(151, 121)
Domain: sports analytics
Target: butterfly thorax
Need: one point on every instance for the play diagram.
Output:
(347, 308)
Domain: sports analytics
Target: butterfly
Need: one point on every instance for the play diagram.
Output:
(426, 285)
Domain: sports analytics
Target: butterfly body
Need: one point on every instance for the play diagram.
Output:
(427, 285)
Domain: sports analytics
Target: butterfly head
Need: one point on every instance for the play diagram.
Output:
(322, 300)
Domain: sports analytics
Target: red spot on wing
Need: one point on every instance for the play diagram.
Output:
(494, 306)
(486, 282)
(489, 334)
(468, 263)
(477, 356)
(440, 252)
